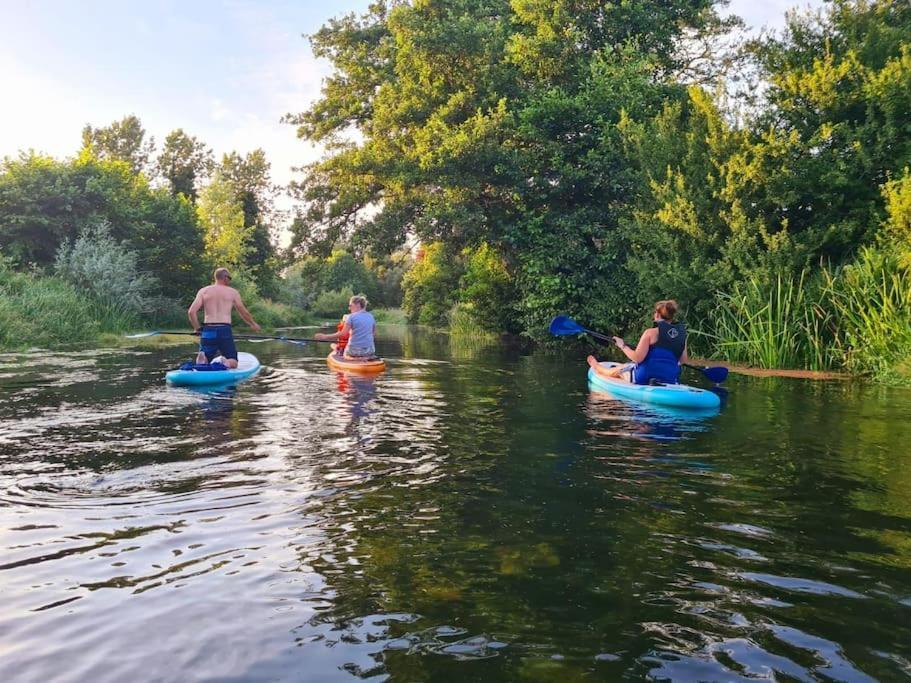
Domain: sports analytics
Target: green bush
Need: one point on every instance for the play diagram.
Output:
(333, 303)
(431, 286)
(487, 290)
(42, 311)
(103, 267)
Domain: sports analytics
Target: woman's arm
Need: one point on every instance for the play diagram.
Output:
(638, 354)
(323, 336)
(685, 356)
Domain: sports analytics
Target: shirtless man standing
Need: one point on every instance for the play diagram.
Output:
(215, 335)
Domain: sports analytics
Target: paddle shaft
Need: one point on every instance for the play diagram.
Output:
(256, 336)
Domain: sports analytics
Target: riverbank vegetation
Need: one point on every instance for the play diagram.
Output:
(590, 159)
(490, 164)
(115, 239)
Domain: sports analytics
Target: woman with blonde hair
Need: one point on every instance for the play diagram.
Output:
(359, 328)
(660, 352)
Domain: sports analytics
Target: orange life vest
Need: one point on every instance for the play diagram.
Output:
(342, 340)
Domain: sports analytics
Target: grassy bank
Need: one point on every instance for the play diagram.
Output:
(47, 312)
(855, 319)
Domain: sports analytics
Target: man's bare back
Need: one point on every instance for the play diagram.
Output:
(217, 301)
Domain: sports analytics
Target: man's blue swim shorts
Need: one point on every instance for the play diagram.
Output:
(215, 339)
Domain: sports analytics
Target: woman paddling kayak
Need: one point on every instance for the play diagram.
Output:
(659, 353)
(359, 328)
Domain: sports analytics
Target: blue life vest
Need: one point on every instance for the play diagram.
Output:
(662, 363)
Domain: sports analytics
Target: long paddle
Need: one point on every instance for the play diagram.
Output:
(250, 337)
(562, 326)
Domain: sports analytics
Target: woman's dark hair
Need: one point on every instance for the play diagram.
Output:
(667, 309)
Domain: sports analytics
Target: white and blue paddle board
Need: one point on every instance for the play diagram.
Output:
(247, 366)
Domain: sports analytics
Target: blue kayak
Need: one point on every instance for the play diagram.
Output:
(247, 366)
(675, 395)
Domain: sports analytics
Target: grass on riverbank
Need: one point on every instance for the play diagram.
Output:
(38, 311)
(856, 318)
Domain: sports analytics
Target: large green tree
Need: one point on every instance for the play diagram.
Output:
(184, 163)
(123, 140)
(221, 216)
(250, 180)
(44, 201)
(834, 126)
(485, 121)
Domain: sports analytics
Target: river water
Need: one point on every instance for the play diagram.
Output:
(471, 514)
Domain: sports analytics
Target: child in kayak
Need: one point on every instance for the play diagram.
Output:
(360, 328)
(342, 342)
(659, 353)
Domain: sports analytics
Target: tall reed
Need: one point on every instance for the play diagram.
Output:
(871, 299)
(779, 323)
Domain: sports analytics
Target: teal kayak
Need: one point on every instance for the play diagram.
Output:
(674, 395)
(247, 366)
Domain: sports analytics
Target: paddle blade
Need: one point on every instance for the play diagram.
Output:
(715, 374)
(140, 335)
(562, 326)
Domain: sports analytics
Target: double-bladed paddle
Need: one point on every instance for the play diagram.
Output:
(248, 337)
(562, 326)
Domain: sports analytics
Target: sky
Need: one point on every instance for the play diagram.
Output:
(223, 70)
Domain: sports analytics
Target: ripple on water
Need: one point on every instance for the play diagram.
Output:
(453, 517)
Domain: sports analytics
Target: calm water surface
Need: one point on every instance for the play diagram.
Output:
(470, 514)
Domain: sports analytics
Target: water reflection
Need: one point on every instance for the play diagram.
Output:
(461, 516)
(630, 419)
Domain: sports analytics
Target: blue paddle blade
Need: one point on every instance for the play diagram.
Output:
(562, 326)
(715, 374)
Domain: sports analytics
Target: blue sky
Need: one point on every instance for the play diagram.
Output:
(223, 70)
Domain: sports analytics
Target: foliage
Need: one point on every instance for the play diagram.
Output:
(559, 145)
(897, 195)
(389, 272)
(871, 301)
(248, 176)
(184, 163)
(42, 311)
(44, 202)
(96, 263)
(487, 290)
(221, 215)
(135, 253)
(431, 286)
(856, 317)
(123, 140)
(378, 279)
(390, 316)
(493, 123)
(780, 323)
(463, 325)
(332, 303)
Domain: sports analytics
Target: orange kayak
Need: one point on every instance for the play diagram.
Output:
(337, 362)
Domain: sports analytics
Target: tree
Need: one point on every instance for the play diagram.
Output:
(44, 202)
(123, 140)
(431, 285)
(184, 162)
(495, 122)
(221, 215)
(249, 178)
(833, 127)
